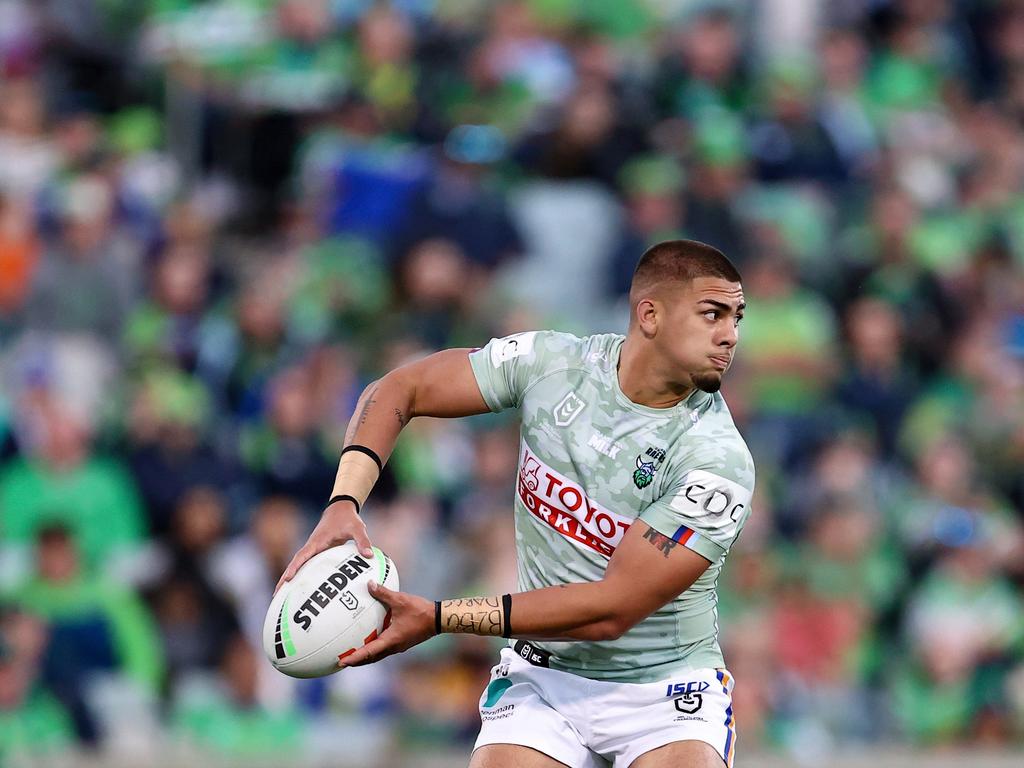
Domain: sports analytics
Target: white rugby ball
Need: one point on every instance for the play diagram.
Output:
(326, 611)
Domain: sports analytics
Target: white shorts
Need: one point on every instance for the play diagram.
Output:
(588, 723)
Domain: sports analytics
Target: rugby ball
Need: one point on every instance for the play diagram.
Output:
(326, 612)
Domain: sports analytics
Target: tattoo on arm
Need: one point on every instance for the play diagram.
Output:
(473, 615)
(664, 544)
(402, 421)
(366, 402)
(367, 405)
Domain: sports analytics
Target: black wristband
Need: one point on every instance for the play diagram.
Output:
(344, 497)
(437, 617)
(506, 604)
(368, 451)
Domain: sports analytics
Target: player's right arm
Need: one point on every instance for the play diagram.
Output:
(441, 385)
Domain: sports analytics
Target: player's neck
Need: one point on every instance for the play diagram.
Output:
(643, 380)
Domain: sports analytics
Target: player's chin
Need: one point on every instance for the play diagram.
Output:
(708, 381)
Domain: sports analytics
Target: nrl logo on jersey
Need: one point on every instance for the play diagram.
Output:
(568, 409)
(646, 465)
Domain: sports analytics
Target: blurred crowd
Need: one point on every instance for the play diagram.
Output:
(221, 219)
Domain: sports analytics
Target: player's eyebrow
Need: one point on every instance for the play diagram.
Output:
(723, 306)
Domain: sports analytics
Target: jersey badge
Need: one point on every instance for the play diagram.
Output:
(568, 409)
(511, 347)
(646, 465)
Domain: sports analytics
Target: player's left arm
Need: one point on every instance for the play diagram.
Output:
(647, 570)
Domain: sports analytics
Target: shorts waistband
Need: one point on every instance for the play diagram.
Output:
(531, 653)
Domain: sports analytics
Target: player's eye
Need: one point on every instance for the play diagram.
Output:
(711, 314)
(738, 318)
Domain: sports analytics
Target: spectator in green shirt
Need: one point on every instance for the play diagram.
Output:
(225, 716)
(63, 481)
(962, 624)
(32, 721)
(95, 626)
(788, 357)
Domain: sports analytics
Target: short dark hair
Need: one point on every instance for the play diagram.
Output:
(680, 261)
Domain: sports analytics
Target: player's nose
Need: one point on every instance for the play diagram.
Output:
(727, 336)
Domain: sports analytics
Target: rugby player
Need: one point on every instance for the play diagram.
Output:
(633, 484)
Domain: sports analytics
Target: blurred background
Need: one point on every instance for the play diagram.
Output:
(220, 219)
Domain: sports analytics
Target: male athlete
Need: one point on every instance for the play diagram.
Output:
(633, 484)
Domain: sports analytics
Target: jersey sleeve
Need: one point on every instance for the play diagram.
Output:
(704, 512)
(505, 367)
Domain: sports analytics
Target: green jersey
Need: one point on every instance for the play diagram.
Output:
(591, 461)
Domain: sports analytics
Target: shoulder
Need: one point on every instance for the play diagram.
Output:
(552, 349)
(580, 356)
(715, 446)
(580, 351)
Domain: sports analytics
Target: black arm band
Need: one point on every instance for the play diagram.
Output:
(368, 451)
(344, 497)
(506, 604)
(437, 617)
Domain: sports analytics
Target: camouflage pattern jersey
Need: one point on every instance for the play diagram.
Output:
(591, 462)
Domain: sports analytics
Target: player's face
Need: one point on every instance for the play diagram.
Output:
(702, 322)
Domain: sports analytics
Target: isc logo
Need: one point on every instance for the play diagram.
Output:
(685, 689)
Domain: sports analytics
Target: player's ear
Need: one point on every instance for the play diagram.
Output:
(645, 315)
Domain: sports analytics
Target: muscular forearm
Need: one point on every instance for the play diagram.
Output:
(600, 610)
(370, 437)
(587, 611)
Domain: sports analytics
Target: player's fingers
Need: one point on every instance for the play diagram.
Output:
(280, 583)
(362, 541)
(285, 577)
(369, 653)
(381, 593)
(297, 562)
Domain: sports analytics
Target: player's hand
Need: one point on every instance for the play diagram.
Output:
(339, 523)
(412, 622)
